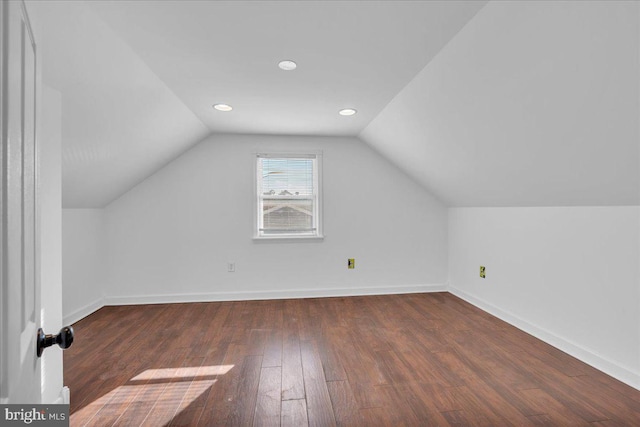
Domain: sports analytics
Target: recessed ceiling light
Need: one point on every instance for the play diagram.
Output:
(223, 107)
(347, 112)
(287, 65)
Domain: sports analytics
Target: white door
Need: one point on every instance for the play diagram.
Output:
(19, 287)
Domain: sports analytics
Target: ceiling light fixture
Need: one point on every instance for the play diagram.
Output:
(287, 65)
(223, 107)
(347, 112)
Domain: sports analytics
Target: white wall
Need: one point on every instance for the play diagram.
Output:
(84, 261)
(170, 238)
(568, 275)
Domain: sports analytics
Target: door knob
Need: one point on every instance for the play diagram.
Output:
(64, 339)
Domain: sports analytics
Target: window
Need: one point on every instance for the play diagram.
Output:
(288, 195)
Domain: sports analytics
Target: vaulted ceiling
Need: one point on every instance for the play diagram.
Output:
(499, 104)
(139, 78)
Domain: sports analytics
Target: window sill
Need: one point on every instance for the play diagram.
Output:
(287, 239)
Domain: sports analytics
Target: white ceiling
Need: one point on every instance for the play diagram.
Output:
(349, 54)
(120, 122)
(138, 78)
(509, 104)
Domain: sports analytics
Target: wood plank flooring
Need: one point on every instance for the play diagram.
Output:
(412, 360)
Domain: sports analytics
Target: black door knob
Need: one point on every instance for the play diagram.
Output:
(64, 339)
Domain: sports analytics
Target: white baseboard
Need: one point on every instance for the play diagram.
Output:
(64, 397)
(586, 355)
(82, 312)
(271, 294)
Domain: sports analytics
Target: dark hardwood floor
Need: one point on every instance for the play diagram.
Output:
(412, 360)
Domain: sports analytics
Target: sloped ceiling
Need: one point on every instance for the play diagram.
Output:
(509, 104)
(138, 78)
(530, 104)
(120, 122)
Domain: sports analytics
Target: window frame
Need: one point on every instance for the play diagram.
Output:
(258, 235)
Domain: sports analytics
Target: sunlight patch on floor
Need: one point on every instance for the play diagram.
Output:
(166, 391)
(187, 372)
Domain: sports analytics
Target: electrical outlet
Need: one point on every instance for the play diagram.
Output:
(231, 267)
(482, 273)
(351, 263)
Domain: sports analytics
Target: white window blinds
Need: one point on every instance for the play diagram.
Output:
(287, 190)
